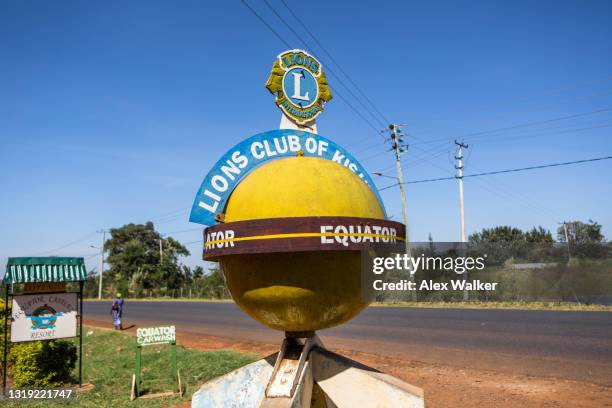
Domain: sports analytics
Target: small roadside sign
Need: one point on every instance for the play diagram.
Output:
(146, 336)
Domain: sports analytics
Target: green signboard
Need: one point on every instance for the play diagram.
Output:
(149, 336)
(146, 336)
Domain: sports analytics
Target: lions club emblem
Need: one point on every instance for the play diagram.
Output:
(300, 86)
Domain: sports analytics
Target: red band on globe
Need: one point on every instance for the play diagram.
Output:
(299, 234)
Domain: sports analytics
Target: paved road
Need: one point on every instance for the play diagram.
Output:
(567, 345)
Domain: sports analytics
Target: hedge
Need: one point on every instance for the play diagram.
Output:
(43, 363)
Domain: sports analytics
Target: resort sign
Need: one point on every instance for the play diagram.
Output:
(44, 317)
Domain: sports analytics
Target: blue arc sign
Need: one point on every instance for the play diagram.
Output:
(219, 183)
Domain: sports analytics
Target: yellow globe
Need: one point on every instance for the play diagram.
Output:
(303, 291)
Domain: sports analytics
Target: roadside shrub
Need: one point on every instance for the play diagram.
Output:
(43, 363)
(1, 321)
(2, 308)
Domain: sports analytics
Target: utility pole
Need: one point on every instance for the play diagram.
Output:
(459, 167)
(101, 262)
(397, 146)
(569, 254)
(396, 140)
(161, 250)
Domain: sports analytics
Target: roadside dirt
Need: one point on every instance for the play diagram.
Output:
(445, 386)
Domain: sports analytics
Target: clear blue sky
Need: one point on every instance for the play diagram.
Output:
(113, 112)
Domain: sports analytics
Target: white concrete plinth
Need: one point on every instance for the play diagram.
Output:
(244, 387)
(344, 383)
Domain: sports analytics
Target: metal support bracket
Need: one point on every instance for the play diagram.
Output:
(290, 363)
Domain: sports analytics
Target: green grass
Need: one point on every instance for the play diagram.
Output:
(164, 299)
(558, 306)
(528, 305)
(108, 363)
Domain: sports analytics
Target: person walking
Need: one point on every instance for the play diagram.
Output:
(117, 312)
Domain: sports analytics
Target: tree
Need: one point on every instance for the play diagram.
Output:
(585, 239)
(214, 285)
(581, 233)
(504, 242)
(135, 262)
(501, 233)
(198, 273)
(539, 235)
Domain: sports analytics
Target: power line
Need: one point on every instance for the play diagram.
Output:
(166, 217)
(170, 217)
(429, 153)
(495, 185)
(566, 88)
(179, 213)
(530, 109)
(373, 156)
(436, 151)
(335, 91)
(328, 69)
(66, 245)
(422, 158)
(521, 125)
(543, 166)
(355, 110)
(181, 231)
(171, 213)
(488, 173)
(266, 24)
(440, 146)
(86, 257)
(299, 20)
(365, 149)
(555, 132)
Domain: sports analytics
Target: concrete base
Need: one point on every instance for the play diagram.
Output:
(244, 387)
(328, 380)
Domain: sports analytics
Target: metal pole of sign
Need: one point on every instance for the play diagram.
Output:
(138, 367)
(81, 333)
(4, 360)
(173, 358)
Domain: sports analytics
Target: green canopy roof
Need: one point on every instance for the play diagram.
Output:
(45, 269)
